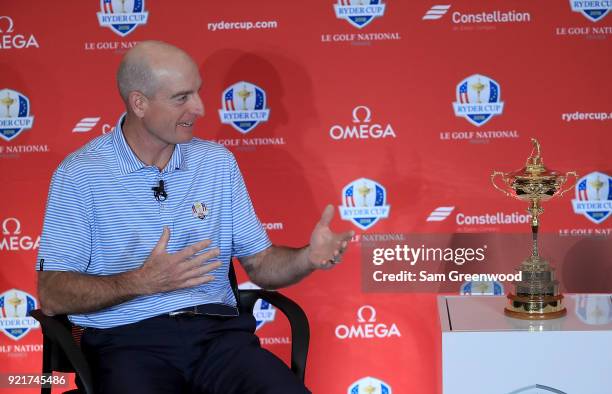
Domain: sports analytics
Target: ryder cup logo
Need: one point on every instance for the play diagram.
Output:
(15, 308)
(594, 10)
(14, 114)
(364, 203)
(357, 13)
(594, 309)
(369, 385)
(244, 106)
(122, 16)
(478, 99)
(594, 197)
(263, 311)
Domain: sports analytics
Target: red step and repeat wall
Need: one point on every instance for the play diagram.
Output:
(396, 112)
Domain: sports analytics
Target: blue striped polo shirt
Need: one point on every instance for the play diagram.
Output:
(102, 219)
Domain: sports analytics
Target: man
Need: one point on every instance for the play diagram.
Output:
(147, 272)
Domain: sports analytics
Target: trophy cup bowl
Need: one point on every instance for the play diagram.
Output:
(537, 295)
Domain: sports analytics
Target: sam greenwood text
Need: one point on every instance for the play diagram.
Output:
(452, 276)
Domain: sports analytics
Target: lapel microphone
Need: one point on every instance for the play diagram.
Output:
(159, 192)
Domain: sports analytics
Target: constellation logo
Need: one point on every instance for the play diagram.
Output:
(243, 106)
(358, 14)
(15, 308)
(13, 240)
(436, 12)
(362, 128)
(86, 124)
(369, 385)
(593, 10)
(440, 214)
(478, 99)
(15, 116)
(121, 19)
(364, 203)
(594, 197)
(367, 327)
(14, 41)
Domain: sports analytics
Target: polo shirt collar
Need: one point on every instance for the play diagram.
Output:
(129, 162)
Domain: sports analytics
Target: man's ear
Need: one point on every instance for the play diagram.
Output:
(138, 103)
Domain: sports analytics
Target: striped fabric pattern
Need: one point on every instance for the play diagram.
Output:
(102, 219)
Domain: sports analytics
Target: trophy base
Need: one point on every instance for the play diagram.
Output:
(540, 307)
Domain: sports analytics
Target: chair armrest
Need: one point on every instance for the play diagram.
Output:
(300, 330)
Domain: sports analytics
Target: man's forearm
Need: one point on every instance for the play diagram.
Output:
(72, 292)
(278, 266)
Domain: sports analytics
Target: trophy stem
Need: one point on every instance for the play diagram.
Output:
(534, 237)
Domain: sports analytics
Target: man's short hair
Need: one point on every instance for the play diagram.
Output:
(135, 75)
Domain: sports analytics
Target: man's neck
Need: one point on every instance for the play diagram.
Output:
(149, 149)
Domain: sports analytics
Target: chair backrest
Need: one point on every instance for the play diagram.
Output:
(61, 351)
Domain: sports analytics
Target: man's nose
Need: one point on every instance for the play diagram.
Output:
(198, 105)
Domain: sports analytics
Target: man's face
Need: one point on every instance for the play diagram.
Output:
(171, 112)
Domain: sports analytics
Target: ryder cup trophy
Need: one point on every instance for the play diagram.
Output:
(537, 295)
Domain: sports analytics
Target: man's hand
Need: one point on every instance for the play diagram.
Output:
(326, 247)
(163, 271)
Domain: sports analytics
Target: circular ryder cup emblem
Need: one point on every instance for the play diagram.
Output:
(14, 114)
(369, 385)
(15, 308)
(243, 106)
(122, 16)
(594, 197)
(357, 13)
(592, 10)
(478, 99)
(364, 203)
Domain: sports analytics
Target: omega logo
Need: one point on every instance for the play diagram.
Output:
(361, 127)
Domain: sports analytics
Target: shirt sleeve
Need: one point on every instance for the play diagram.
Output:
(65, 244)
(249, 236)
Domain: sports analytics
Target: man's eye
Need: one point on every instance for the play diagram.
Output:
(182, 98)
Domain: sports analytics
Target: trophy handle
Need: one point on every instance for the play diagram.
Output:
(499, 173)
(569, 173)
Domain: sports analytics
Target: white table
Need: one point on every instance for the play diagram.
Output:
(484, 351)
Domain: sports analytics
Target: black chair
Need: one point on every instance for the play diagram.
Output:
(62, 353)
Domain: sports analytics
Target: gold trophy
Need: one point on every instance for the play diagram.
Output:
(244, 94)
(537, 295)
(15, 302)
(7, 102)
(364, 190)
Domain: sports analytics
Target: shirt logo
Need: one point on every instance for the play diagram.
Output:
(478, 99)
(594, 197)
(243, 106)
(200, 210)
(364, 203)
(14, 114)
(121, 18)
(358, 14)
(15, 308)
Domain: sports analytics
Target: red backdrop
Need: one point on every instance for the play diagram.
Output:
(543, 69)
